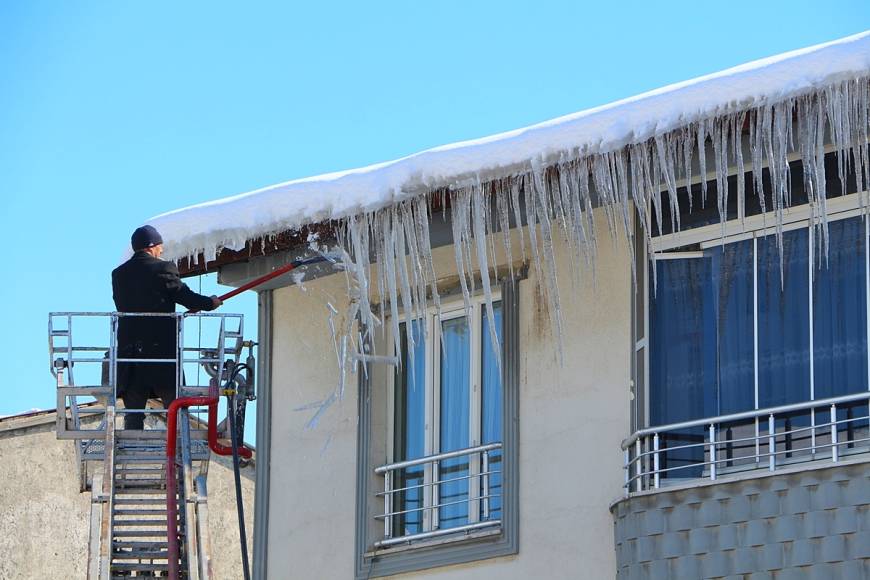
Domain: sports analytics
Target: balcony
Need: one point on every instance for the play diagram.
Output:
(824, 430)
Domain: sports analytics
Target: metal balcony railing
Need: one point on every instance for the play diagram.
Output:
(455, 492)
(771, 438)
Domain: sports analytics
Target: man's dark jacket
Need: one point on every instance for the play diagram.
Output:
(148, 284)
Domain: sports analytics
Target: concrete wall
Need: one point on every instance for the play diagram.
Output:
(312, 477)
(803, 522)
(572, 418)
(44, 528)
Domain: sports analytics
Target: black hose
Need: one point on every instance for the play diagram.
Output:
(240, 507)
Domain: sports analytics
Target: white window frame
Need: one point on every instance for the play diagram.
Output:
(450, 310)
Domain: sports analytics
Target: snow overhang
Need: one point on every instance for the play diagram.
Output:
(266, 220)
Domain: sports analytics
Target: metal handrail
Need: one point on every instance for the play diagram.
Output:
(753, 414)
(809, 430)
(439, 482)
(431, 500)
(437, 457)
(644, 452)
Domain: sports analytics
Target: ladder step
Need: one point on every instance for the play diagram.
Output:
(157, 454)
(140, 512)
(138, 469)
(140, 533)
(141, 491)
(142, 545)
(134, 555)
(139, 501)
(125, 567)
(141, 523)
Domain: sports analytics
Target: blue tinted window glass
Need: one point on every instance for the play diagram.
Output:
(409, 430)
(840, 312)
(682, 359)
(491, 412)
(733, 299)
(783, 320)
(454, 424)
(682, 342)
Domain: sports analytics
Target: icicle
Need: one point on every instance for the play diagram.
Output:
(540, 207)
(620, 166)
(604, 185)
(490, 227)
(666, 151)
(756, 151)
(586, 211)
(688, 148)
(388, 234)
(737, 146)
(518, 216)
(424, 243)
(478, 209)
(501, 207)
(701, 131)
(719, 136)
(531, 218)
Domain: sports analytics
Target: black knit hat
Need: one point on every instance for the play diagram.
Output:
(145, 237)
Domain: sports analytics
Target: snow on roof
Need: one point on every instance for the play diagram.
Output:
(232, 221)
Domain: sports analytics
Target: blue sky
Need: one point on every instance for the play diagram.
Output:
(113, 112)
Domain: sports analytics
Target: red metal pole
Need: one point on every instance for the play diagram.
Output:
(171, 482)
(258, 281)
(273, 274)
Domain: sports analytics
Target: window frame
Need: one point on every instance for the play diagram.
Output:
(462, 548)
(452, 310)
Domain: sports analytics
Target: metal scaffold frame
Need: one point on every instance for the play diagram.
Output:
(148, 505)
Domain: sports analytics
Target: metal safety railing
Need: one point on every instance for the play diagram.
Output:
(84, 357)
(455, 492)
(770, 439)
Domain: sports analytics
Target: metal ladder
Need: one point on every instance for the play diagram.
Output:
(125, 471)
(128, 508)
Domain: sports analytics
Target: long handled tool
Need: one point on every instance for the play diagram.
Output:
(278, 272)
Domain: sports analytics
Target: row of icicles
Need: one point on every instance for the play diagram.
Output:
(556, 199)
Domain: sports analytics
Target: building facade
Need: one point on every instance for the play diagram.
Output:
(632, 342)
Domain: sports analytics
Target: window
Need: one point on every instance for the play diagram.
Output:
(438, 478)
(447, 397)
(747, 324)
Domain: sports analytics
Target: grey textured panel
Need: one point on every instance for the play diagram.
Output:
(813, 523)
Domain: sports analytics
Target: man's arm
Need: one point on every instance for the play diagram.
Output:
(179, 292)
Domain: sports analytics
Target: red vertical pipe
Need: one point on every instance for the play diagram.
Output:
(171, 482)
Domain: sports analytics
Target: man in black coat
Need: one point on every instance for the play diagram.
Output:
(145, 283)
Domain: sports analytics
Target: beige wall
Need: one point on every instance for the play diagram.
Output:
(572, 419)
(311, 503)
(45, 520)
